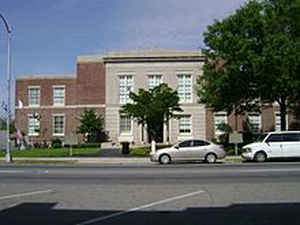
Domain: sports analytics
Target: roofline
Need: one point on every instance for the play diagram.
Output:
(154, 59)
(47, 77)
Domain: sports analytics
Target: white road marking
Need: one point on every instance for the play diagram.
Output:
(25, 194)
(141, 207)
(12, 171)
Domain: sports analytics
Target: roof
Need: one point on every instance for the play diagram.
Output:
(46, 76)
(147, 55)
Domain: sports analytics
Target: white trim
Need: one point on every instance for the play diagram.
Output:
(33, 86)
(63, 106)
(59, 86)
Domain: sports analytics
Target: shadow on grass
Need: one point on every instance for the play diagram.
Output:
(237, 214)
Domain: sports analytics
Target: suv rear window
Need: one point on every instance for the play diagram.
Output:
(291, 137)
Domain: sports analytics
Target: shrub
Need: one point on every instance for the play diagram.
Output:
(56, 143)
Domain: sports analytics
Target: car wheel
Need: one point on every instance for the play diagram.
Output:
(211, 158)
(260, 157)
(164, 159)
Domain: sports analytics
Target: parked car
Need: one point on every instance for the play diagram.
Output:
(284, 144)
(189, 150)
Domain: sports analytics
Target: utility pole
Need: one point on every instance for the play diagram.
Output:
(8, 157)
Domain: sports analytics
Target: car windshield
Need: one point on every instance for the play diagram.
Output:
(261, 138)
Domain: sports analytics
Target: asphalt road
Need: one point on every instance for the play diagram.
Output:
(190, 194)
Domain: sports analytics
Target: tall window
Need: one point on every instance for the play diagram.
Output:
(34, 96)
(126, 86)
(185, 124)
(125, 125)
(58, 125)
(154, 80)
(59, 95)
(255, 122)
(33, 124)
(278, 121)
(220, 118)
(185, 88)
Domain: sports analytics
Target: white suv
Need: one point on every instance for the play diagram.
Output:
(274, 145)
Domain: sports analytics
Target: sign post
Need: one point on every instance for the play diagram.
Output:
(235, 138)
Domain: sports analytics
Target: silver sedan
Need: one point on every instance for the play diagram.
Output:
(189, 150)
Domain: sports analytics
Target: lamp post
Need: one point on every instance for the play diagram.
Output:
(8, 158)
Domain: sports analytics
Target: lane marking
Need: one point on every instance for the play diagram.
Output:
(26, 194)
(102, 218)
(12, 171)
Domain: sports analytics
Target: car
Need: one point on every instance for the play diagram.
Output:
(282, 144)
(189, 150)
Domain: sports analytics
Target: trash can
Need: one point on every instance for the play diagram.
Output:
(125, 148)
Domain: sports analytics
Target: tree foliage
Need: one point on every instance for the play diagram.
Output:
(253, 56)
(152, 108)
(91, 125)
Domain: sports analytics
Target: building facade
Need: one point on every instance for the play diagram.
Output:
(48, 107)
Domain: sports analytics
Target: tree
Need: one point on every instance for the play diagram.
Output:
(253, 57)
(3, 126)
(153, 108)
(91, 125)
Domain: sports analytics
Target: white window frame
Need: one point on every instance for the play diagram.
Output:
(277, 122)
(125, 133)
(55, 87)
(184, 124)
(29, 96)
(251, 117)
(216, 123)
(36, 125)
(53, 124)
(155, 82)
(185, 89)
(125, 93)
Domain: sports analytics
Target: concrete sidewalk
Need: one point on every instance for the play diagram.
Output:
(103, 160)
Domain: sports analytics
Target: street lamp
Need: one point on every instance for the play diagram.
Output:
(8, 158)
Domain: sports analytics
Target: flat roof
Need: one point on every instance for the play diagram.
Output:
(46, 76)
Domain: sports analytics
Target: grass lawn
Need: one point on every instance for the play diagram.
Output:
(142, 151)
(53, 152)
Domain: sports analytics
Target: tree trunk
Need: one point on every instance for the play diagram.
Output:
(283, 111)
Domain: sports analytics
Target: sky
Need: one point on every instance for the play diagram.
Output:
(48, 35)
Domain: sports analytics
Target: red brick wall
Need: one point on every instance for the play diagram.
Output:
(90, 83)
(46, 90)
(88, 88)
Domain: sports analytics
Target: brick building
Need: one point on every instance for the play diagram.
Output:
(52, 104)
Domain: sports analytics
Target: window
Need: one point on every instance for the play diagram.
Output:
(185, 124)
(126, 86)
(33, 124)
(255, 122)
(291, 137)
(274, 138)
(185, 88)
(185, 144)
(200, 143)
(59, 95)
(58, 125)
(125, 124)
(34, 96)
(278, 121)
(220, 118)
(154, 80)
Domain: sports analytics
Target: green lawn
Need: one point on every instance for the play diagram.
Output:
(53, 152)
(143, 151)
